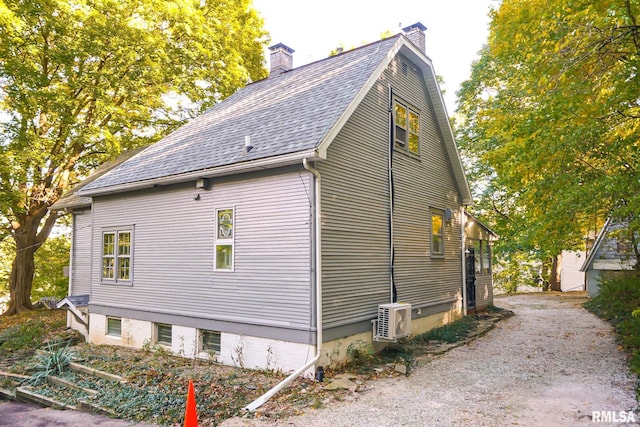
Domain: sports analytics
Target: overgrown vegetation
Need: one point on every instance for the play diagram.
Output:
(616, 303)
(155, 386)
(54, 361)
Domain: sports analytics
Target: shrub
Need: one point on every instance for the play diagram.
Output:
(618, 299)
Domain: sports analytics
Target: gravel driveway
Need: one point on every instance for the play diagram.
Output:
(551, 364)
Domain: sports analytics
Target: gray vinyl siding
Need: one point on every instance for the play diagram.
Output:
(355, 209)
(81, 258)
(422, 185)
(173, 250)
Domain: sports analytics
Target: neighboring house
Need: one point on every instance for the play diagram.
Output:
(571, 278)
(478, 274)
(612, 253)
(320, 207)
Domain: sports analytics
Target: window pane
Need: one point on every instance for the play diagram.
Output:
(401, 137)
(107, 268)
(163, 334)
(477, 254)
(123, 268)
(211, 341)
(437, 242)
(225, 224)
(108, 243)
(114, 326)
(124, 243)
(414, 122)
(401, 115)
(486, 258)
(436, 224)
(436, 246)
(414, 143)
(224, 257)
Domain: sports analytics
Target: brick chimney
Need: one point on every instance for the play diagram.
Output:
(281, 59)
(415, 33)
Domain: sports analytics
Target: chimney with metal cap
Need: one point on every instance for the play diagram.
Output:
(415, 33)
(281, 59)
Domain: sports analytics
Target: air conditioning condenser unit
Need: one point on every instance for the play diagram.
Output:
(394, 321)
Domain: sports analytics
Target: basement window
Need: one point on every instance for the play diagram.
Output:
(114, 326)
(210, 341)
(163, 334)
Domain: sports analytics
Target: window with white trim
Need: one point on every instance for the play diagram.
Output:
(117, 255)
(406, 129)
(437, 233)
(224, 242)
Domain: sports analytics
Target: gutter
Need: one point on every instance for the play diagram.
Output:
(318, 289)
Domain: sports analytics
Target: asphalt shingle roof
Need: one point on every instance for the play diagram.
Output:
(282, 114)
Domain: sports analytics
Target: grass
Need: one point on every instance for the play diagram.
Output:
(616, 302)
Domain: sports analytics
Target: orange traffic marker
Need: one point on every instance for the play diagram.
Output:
(190, 415)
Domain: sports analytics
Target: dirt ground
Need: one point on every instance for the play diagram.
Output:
(551, 364)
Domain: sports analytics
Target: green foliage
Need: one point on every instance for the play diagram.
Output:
(20, 336)
(54, 361)
(617, 301)
(49, 279)
(81, 81)
(452, 332)
(549, 122)
(360, 352)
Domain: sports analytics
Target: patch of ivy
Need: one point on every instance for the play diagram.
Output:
(618, 303)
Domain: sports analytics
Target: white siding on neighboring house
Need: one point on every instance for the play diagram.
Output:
(571, 278)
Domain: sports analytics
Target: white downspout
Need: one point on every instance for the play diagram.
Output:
(463, 225)
(318, 264)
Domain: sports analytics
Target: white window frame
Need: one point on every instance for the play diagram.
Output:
(439, 213)
(116, 256)
(403, 144)
(224, 239)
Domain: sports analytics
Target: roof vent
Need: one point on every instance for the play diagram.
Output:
(281, 59)
(247, 144)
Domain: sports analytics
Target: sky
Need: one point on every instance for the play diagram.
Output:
(456, 29)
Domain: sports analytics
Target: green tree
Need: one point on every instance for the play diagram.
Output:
(81, 80)
(549, 121)
(51, 259)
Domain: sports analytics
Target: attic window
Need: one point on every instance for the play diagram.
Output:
(406, 129)
(405, 68)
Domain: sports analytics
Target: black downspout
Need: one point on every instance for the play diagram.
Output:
(394, 291)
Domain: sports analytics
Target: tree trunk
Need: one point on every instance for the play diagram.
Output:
(21, 280)
(554, 280)
(28, 239)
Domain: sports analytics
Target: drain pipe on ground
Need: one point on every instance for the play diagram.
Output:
(318, 259)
